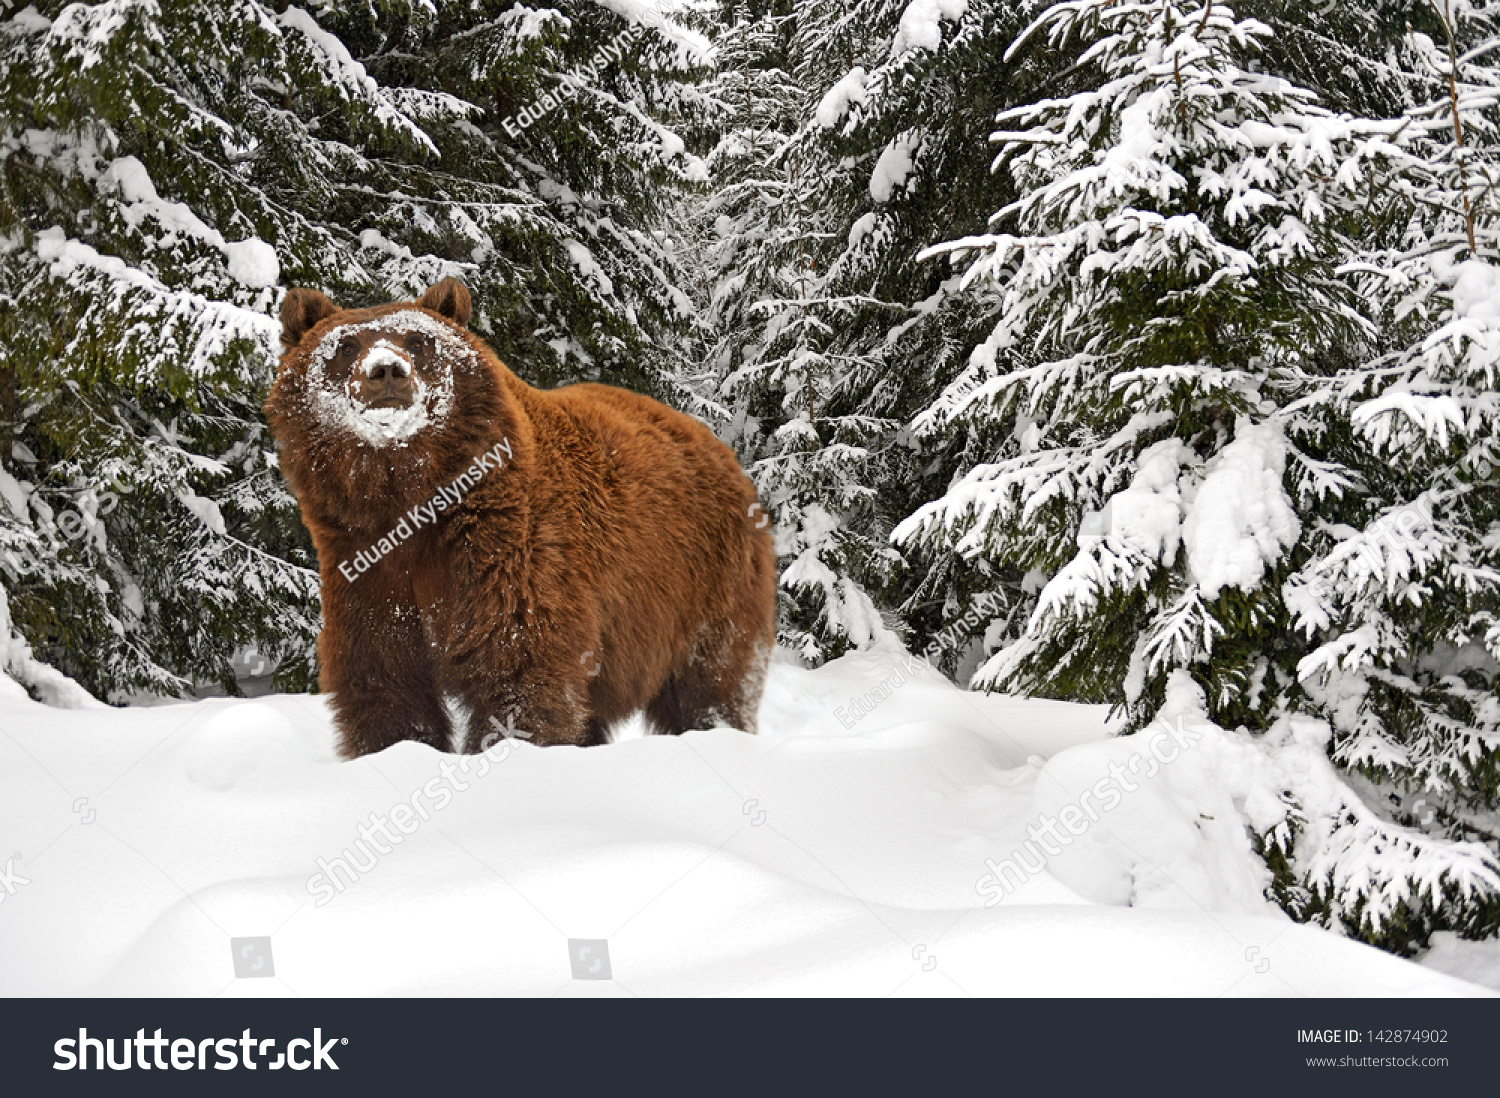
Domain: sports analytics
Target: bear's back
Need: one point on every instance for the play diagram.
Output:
(635, 429)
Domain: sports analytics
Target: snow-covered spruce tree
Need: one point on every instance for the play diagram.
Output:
(164, 164)
(898, 120)
(815, 466)
(775, 326)
(557, 188)
(846, 124)
(1175, 246)
(1403, 587)
(755, 105)
(1169, 355)
(146, 535)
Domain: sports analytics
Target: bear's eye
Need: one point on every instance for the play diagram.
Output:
(416, 344)
(348, 348)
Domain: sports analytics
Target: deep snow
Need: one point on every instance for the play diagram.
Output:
(816, 858)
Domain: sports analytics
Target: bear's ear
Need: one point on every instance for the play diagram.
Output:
(449, 298)
(301, 310)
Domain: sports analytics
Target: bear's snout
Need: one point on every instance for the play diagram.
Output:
(384, 379)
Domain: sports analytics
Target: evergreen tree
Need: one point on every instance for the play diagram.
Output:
(1174, 253)
(777, 368)
(832, 335)
(1221, 370)
(1401, 590)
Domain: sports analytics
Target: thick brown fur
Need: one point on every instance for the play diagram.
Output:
(614, 562)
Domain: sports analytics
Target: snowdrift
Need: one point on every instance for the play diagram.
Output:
(850, 849)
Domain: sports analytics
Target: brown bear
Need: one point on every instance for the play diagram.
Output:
(511, 560)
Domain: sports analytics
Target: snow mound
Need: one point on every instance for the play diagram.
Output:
(1175, 837)
(1478, 962)
(244, 739)
(1240, 519)
(835, 103)
(921, 24)
(829, 855)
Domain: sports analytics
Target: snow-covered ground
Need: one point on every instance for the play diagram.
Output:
(821, 857)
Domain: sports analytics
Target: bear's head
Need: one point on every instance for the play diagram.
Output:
(373, 408)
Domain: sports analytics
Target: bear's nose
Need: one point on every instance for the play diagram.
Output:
(395, 369)
(385, 380)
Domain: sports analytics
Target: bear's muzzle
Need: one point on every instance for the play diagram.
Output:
(385, 379)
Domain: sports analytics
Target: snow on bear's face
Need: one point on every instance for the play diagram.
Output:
(387, 379)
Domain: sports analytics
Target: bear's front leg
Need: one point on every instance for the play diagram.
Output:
(375, 659)
(539, 696)
(545, 713)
